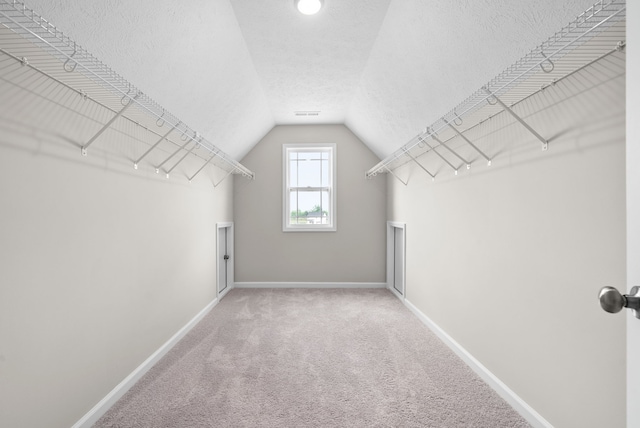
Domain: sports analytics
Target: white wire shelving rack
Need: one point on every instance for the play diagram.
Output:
(35, 49)
(597, 35)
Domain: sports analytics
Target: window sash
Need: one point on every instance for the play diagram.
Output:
(300, 180)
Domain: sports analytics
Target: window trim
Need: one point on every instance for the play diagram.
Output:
(286, 210)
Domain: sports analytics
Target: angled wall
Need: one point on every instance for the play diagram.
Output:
(354, 253)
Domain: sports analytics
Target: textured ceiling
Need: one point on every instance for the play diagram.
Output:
(310, 63)
(232, 69)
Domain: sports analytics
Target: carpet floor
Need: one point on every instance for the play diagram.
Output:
(310, 358)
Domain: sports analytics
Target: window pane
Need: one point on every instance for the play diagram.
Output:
(326, 179)
(309, 169)
(309, 201)
(293, 169)
(309, 207)
(325, 207)
(296, 216)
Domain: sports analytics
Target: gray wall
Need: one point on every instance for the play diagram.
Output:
(509, 259)
(354, 253)
(99, 264)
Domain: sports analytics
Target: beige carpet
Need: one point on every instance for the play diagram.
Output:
(310, 358)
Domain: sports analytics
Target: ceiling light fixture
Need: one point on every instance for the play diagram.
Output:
(308, 7)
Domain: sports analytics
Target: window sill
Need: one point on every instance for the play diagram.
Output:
(310, 229)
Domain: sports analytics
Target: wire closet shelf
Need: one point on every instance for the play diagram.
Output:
(592, 36)
(63, 61)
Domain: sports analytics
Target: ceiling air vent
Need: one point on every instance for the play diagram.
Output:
(306, 113)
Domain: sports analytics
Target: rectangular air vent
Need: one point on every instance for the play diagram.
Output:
(306, 113)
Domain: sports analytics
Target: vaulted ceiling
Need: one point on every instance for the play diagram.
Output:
(233, 69)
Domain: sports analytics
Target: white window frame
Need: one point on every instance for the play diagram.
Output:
(286, 188)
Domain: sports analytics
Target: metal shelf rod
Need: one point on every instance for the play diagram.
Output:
(113, 80)
(619, 48)
(24, 62)
(567, 37)
(546, 58)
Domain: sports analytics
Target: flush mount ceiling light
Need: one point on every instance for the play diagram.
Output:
(308, 7)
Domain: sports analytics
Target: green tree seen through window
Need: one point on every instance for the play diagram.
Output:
(315, 209)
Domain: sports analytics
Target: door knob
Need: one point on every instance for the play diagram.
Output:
(613, 301)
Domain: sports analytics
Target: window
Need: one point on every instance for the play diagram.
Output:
(309, 187)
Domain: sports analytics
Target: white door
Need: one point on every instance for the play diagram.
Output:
(633, 209)
(398, 268)
(633, 276)
(396, 258)
(224, 260)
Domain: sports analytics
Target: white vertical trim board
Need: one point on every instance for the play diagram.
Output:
(391, 258)
(92, 416)
(230, 264)
(310, 285)
(526, 411)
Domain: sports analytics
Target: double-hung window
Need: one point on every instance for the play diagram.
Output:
(309, 187)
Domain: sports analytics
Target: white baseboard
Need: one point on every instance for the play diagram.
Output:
(526, 411)
(116, 393)
(310, 285)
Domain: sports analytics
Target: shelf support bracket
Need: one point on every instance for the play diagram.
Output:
(422, 140)
(172, 155)
(107, 125)
(224, 178)
(406, 152)
(136, 162)
(439, 141)
(545, 143)
(182, 158)
(205, 164)
(399, 179)
(468, 141)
